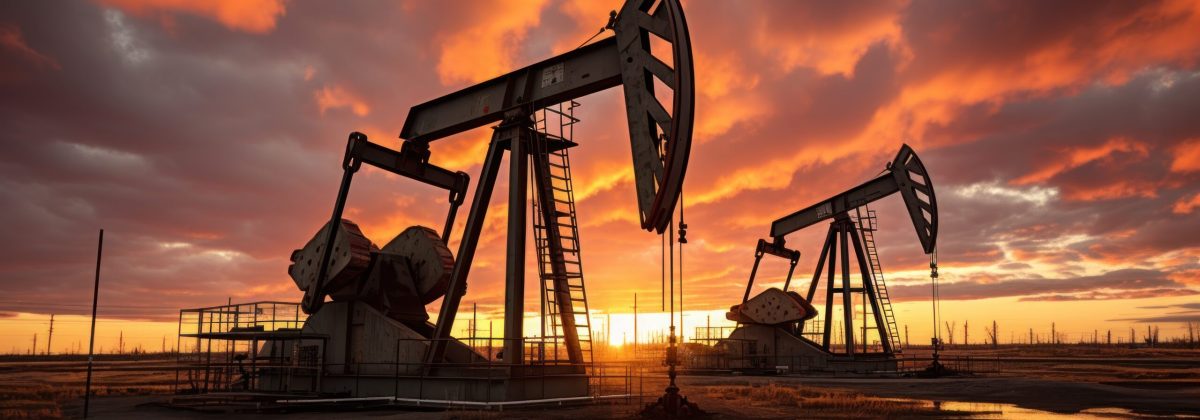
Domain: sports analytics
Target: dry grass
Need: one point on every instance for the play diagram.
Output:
(810, 402)
(43, 393)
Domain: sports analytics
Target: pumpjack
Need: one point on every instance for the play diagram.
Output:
(772, 329)
(368, 302)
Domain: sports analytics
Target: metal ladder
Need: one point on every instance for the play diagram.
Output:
(556, 124)
(868, 225)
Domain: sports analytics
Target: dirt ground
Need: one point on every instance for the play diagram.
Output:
(1108, 385)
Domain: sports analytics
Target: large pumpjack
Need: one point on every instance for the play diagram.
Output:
(772, 329)
(377, 295)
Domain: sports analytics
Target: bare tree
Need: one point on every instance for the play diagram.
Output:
(950, 330)
(1151, 337)
(993, 334)
(966, 338)
(1191, 334)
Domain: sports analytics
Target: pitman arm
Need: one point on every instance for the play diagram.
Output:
(412, 161)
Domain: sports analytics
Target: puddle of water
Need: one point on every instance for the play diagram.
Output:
(980, 410)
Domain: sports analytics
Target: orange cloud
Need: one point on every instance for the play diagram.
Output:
(1187, 156)
(337, 97)
(13, 40)
(1110, 53)
(1119, 189)
(830, 41)
(1186, 205)
(487, 46)
(727, 95)
(589, 17)
(1076, 157)
(253, 16)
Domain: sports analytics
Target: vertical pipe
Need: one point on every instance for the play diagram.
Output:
(87, 387)
(514, 289)
(847, 305)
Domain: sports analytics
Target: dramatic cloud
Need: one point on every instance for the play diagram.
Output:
(1132, 283)
(254, 16)
(207, 137)
(13, 41)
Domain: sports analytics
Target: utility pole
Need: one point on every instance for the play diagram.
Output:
(905, 335)
(966, 331)
(1053, 333)
(33, 350)
(50, 338)
(635, 326)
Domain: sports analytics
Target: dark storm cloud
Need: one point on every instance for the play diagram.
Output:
(197, 149)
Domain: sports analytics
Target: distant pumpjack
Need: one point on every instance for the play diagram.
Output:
(904, 174)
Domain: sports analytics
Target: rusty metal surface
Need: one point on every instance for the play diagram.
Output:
(350, 257)
(429, 261)
(772, 307)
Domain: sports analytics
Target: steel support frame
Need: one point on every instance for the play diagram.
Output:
(467, 246)
(514, 278)
(517, 135)
(842, 227)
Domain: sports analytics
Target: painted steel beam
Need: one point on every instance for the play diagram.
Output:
(574, 74)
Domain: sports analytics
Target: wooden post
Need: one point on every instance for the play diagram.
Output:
(50, 338)
(87, 388)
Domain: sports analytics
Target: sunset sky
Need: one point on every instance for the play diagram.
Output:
(206, 137)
